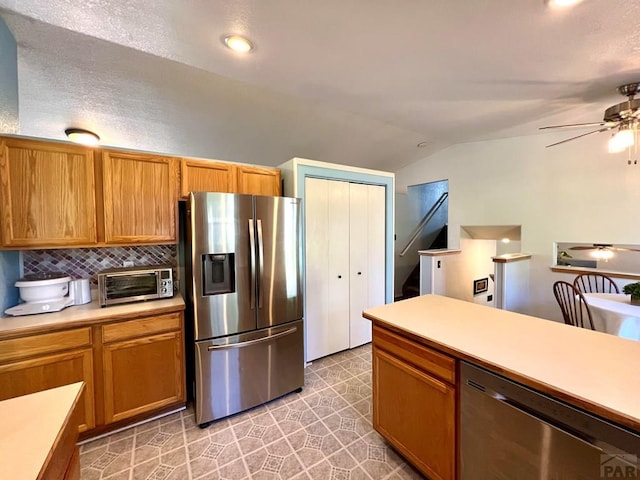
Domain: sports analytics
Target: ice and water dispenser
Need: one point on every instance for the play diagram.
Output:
(218, 271)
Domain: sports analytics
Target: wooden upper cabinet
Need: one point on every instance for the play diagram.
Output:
(48, 194)
(259, 180)
(206, 176)
(140, 198)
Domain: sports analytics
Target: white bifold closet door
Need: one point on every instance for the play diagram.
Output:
(344, 263)
(366, 257)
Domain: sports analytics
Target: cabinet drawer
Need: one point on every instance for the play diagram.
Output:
(46, 343)
(140, 327)
(429, 360)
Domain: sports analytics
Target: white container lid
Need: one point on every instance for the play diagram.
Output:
(42, 279)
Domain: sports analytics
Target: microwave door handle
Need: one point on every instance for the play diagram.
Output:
(158, 286)
(252, 265)
(260, 264)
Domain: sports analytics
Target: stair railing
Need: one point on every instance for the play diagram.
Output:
(432, 211)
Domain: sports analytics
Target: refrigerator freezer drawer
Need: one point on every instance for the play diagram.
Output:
(239, 372)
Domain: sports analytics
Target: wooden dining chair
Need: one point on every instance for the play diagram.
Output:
(573, 305)
(595, 283)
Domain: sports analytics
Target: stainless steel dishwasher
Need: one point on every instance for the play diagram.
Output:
(511, 432)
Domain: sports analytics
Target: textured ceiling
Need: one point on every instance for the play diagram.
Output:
(354, 82)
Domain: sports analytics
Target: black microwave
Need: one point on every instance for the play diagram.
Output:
(134, 284)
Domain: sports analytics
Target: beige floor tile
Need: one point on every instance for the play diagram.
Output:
(322, 433)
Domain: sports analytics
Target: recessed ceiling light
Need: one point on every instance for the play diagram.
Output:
(237, 43)
(562, 3)
(79, 135)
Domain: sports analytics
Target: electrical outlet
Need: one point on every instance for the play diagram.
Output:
(438, 263)
(127, 263)
(489, 298)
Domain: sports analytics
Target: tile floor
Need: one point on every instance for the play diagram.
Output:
(322, 433)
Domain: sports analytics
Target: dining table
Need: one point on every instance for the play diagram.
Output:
(613, 313)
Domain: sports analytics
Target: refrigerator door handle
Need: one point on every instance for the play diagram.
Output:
(260, 264)
(254, 341)
(252, 262)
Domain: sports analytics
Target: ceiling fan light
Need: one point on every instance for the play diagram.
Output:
(622, 140)
(602, 254)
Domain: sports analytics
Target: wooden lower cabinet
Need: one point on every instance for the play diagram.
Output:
(142, 374)
(413, 408)
(50, 368)
(130, 368)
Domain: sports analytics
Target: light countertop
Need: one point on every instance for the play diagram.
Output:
(27, 435)
(82, 315)
(592, 370)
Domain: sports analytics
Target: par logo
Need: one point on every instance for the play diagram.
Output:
(619, 466)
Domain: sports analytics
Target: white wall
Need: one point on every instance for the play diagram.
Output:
(8, 81)
(455, 278)
(572, 191)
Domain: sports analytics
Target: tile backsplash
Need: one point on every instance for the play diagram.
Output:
(87, 262)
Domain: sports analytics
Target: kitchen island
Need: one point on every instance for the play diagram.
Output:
(35, 446)
(418, 346)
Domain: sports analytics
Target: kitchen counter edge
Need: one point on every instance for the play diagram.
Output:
(551, 384)
(85, 315)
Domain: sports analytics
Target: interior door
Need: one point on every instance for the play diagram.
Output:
(367, 257)
(279, 263)
(326, 266)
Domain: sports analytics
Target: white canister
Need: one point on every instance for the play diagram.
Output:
(79, 291)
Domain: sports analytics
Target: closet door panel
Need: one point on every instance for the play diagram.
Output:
(326, 253)
(359, 328)
(338, 260)
(376, 250)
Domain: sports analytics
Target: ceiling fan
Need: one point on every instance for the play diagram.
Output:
(624, 116)
(603, 247)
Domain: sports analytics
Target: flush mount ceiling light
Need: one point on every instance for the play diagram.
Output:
(237, 43)
(79, 135)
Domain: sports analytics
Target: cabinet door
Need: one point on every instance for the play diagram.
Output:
(206, 176)
(416, 413)
(326, 266)
(143, 374)
(367, 257)
(259, 181)
(49, 371)
(48, 194)
(140, 201)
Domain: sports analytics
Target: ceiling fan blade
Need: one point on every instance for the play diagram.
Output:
(622, 249)
(571, 125)
(582, 248)
(580, 136)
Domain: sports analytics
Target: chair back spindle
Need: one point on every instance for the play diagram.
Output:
(573, 305)
(595, 283)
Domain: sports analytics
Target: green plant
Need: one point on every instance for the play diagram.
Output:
(632, 289)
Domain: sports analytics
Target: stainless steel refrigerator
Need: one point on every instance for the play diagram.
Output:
(246, 295)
